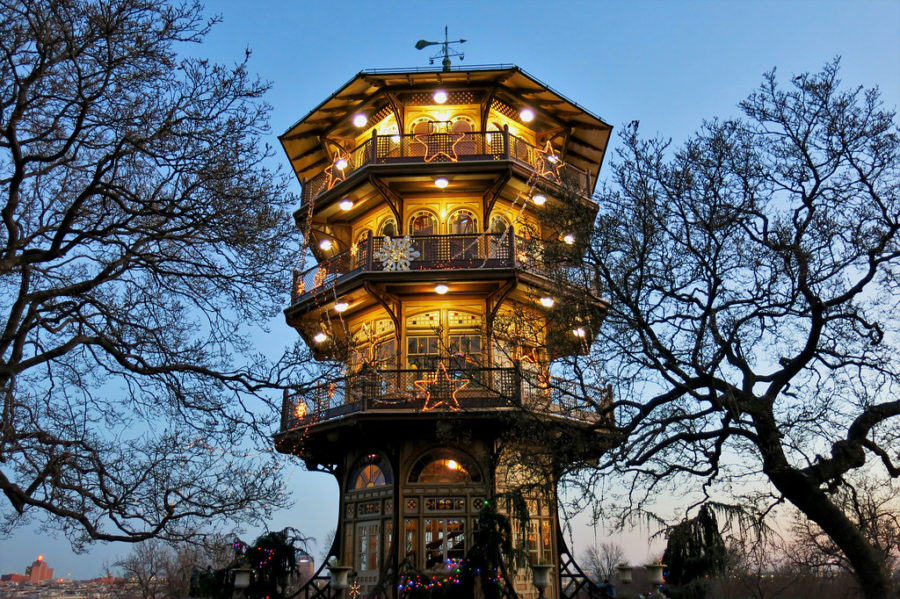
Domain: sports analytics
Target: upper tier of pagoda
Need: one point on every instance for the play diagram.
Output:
(384, 119)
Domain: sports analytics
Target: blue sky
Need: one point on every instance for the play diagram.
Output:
(667, 64)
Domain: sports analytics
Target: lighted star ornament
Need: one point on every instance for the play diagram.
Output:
(440, 377)
(549, 163)
(396, 254)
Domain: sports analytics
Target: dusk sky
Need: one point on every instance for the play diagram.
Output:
(667, 64)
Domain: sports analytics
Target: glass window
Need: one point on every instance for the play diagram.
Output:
(462, 222)
(465, 351)
(423, 223)
(373, 472)
(369, 476)
(444, 466)
(445, 539)
(367, 545)
(388, 227)
(422, 351)
(412, 541)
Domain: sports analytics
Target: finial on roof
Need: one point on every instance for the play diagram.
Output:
(446, 51)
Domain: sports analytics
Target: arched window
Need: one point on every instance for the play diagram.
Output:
(444, 466)
(463, 222)
(373, 471)
(423, 223)
(388, 227)
(499, 224)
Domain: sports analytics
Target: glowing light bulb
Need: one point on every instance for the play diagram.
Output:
(346, 204)
(360, 120)
(320, 337)
(452, 464)
(441, 182)
(325, 245)
(341, 163)
(441, 289)
(341, 307)
(527, 115)
(539, 200)
(579, 332)
(440, 96)
(547, 302)
(569, 238)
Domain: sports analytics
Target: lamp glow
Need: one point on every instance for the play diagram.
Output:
(452, 464)
(441, 289)
(325, 245)
(341, 307)
(346, 204)
(547, 302)
(360, 120)
(553, 158)
(539, 200)
(440, 96)
(527, 115)
(341, 163)
(569, 239)
(441, 182)
(320, 337)
(579, 332)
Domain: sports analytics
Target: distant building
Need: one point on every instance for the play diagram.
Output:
(39, 571)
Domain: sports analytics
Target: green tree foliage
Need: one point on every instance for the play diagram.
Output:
(142, 234)
(694, 553)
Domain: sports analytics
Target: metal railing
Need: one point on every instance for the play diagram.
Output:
(414, 148)
(444, 387)
(436, 252)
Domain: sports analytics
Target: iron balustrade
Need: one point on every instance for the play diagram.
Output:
(414, 148)
(436, 252)
(444, 387)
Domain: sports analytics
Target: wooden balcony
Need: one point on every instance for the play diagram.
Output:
(436, 253)
(446, 388)
(443, 148)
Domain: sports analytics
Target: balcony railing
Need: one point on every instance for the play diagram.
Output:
(445, 388)
(436, 252)
(447, 148)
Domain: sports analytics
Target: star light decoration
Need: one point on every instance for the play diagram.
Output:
(396, 254)
(440, 377)
(436, 145)
(549, 162)
(335, 173)
(355, 590)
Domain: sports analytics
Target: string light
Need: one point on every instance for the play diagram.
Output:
(569, 239)
(579, 332)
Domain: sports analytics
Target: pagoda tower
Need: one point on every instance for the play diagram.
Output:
(431, 202)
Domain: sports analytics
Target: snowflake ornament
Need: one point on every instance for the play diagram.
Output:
(396, 254)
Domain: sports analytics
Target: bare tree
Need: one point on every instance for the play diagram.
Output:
(601, 560)
(143, 236)
(751, 332)
(872, 505)
(155, 569)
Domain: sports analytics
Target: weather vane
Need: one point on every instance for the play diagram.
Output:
(446, 51)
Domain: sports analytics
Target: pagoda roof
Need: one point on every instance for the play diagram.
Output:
(584, 135)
